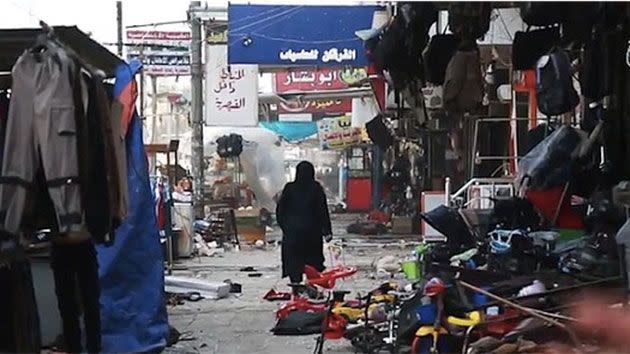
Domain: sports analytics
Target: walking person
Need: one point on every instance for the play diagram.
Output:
(302, 213)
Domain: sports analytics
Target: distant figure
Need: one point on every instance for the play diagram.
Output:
(302, 214)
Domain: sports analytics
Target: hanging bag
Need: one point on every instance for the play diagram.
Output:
(554, 84)
(469, 20)
(529, 46)
(439, 52)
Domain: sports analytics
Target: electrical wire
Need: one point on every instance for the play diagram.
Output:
(305, 42)
(29, 11)
(277, 9)
(283, 15)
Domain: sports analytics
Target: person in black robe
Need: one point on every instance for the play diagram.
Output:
(302, 213)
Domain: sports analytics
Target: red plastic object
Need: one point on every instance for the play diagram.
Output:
(335, 326)
(434, 287)
(327, 279)
(377, 215)
(301, 304)
(547, 201)
(358, 194)
(502, 324)
(273, 295)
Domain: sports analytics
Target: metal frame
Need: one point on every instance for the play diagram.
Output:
(451, 198)
(474, 156)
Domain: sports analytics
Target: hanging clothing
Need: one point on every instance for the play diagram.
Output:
(77, 265)
(19, 319)
(60, 120)
(41, 128)
(161, 197)
(302, 213)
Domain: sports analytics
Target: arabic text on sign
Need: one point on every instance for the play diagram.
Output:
(338, 56)
(225, 85)
(292, 56)
(230, 105)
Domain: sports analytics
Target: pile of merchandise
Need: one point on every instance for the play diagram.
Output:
(505, 280)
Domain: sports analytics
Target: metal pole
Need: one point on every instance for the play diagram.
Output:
(447, 191)
(197, 113)
(154, 121)
(142, 84)
(119, 22)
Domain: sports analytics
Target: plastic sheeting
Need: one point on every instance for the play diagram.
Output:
(133, 307)
(550, 163)
(262, 159)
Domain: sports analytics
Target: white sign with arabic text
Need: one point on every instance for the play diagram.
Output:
(231, 90)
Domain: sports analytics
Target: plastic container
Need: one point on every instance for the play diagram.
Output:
(411, 268)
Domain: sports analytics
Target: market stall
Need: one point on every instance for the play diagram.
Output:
(31, 294)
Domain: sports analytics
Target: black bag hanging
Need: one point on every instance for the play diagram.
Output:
(378, 133)
(438, 54)
(542, 13)
(469, 20)
(554, 85)
(230, 146)
(235, 141)
(529, 46)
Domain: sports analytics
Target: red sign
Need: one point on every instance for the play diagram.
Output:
(312, 80)
(309, 81)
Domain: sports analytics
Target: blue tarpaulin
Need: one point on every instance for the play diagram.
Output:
(133, 308)
(292, 131)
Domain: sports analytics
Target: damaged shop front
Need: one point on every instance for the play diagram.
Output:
(520, 255)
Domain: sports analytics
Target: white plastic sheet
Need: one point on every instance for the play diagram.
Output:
(262, 159)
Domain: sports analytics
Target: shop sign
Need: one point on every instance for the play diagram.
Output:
(231, 90)
(162, 53)
(217, 37)
(353, 76)
(280, 35)
(309, 80)
(316, 106)
(314, 80)
(172, 62)
(337, 133)
(159, 38)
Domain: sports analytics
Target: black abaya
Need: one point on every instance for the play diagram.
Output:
(302, 213)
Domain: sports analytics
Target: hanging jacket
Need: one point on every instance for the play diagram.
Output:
(463, 86)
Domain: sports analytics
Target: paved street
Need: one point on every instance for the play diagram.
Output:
(241, 324)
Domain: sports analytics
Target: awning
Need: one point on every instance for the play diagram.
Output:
(292, 131)
(13, 42)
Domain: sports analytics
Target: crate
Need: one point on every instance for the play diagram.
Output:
(249, 226)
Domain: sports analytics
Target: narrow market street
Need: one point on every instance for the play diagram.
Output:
(314, 176)
(242, 323)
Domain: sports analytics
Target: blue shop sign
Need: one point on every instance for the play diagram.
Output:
(297, 35)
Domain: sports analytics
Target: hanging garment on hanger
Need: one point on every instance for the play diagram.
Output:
(41, 127)
(106, 201)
